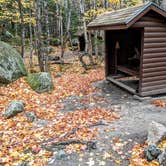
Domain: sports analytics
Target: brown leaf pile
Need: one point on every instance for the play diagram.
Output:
(17, 135)
(160, 103)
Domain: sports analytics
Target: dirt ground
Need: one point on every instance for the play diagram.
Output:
(115, 142)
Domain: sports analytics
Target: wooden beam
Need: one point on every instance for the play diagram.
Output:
(108, 27)
(148, 24)
(152, 18)
(155, 29)
(154, 65)
(153, 60)
(128, 71)
(154, 40)
(158, 82)
(154, 55)
(154, 50)
(156, 78)
(154, 34)
(155, 45)
(154, 69)
(153, 92)
(122, 85)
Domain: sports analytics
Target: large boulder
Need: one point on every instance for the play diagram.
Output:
(13, 109)
(156, 133)
(11, 64)
(40, 82)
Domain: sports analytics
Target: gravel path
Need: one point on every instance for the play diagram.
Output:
(115, 141)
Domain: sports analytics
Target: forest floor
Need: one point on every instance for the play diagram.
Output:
(115, 141)
(82, 107)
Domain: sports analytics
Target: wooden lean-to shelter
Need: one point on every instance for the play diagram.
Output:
(135, 48)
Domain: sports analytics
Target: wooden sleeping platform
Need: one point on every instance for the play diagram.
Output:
(128, 70)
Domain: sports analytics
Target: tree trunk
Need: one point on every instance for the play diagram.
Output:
(62, 36)
(38, 35)
(96, 44)
(31, 40)
(163, 4)
(48, 37)
(22, 28)
(82, 9)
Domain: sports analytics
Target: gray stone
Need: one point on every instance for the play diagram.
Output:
(41, 122)
(53, 58)
(40, 82)
(156, 133)
(152, 152)
(60, 154)
(31, 116)
(162, 159)
(14, 108)
(11, 64)
(24, 163)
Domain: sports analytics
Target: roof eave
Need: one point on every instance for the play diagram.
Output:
(108, 27)
(149, 6)
(141, 13)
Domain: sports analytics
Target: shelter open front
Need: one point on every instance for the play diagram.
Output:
(123, 54)
(135, 42)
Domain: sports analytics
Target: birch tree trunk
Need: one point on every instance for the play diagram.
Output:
(62, 35)
(105, 4)
(22, 28)
(82, 10)
(163, 4)
(31, 40)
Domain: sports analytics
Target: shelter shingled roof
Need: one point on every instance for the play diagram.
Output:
(124, 17)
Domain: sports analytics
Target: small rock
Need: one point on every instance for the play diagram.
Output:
(60, 154)
(156, 133)
(162, 159)
(58, 75)
(13, 109)
(41, 122)
(24, 163)
(53, 58)
(152, 152)
(31, 116)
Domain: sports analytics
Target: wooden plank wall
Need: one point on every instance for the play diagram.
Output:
(153, 72)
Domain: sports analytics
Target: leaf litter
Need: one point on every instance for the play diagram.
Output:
(22, 141)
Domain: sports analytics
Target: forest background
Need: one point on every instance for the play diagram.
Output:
(34, 27)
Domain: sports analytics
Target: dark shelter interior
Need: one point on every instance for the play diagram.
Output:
(123, 48)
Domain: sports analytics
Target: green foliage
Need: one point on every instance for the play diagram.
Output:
(132, 2)
(54, 42)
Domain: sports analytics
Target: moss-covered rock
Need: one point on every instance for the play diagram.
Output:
(40, 82)
(11, 64)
